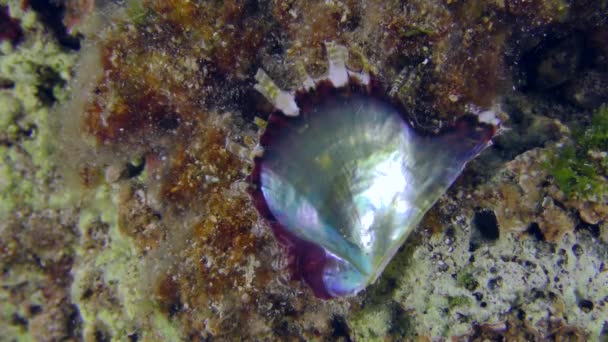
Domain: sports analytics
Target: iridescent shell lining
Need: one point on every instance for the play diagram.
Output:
(343, 179)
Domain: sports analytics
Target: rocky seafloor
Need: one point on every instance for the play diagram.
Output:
(127, 130)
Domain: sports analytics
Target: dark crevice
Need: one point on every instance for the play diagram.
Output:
(6, 142)
(6, 83)
(20, 321)
(554, 61)
(593, 229)
(28, 132)
(563, 66)
(340, 329)
(401, 324)
(534, 230)
(175, 308)
(21, 134)
(51, 14)
(134, 169)
(521, 314)
(74, 322)
(486, 223)
(35, 309)
(88, 293)
(10, 28)
(101, 336)
(494, 283)
(169, 122)
(585, 305)
(252, 7)
(577, 250)
(49, 79)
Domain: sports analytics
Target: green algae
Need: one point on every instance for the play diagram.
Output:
(138, 13)
(466, 279)
(596, 135)
(455, 301)
(572, 167)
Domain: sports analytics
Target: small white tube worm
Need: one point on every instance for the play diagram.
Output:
(337, 56)
(282, 100)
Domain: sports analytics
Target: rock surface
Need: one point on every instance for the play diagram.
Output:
(124, 213)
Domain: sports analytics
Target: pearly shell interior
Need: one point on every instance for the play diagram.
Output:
(344, 183)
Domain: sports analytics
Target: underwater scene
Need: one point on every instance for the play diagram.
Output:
(303, 170)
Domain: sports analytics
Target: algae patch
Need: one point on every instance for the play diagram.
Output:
(580, 167)
(37, 70)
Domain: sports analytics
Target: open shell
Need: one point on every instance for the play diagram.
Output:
(343, 179)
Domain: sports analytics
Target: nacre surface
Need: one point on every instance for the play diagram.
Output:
(346, 181)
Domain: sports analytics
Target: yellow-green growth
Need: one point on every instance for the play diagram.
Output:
(120, 270)
(39, 70)
(371, 324)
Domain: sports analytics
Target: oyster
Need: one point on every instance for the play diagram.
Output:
(343, 179)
